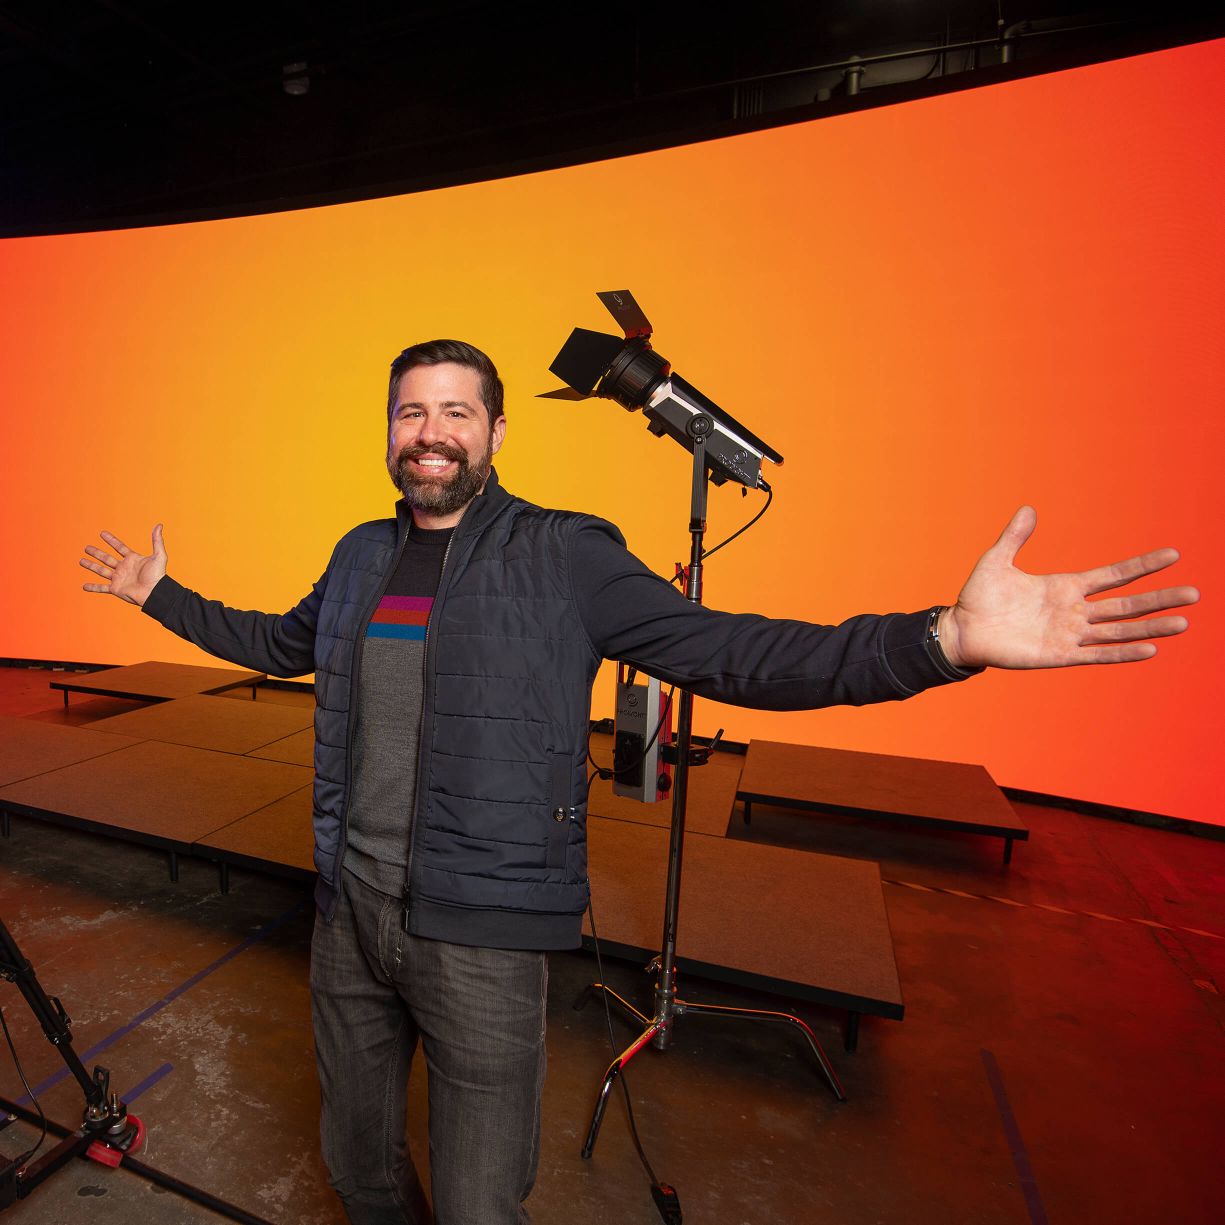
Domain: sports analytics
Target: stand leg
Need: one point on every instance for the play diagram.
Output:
(1007, 850)
(610, 1077)
(174, 865)
(748, 812)
(223, 871)
(622, 1005)
(784, 1018)
(4, 822)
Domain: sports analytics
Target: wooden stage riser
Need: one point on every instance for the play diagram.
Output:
(941, 795)
(795, 924)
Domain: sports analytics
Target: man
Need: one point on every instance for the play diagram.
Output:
(454, 649)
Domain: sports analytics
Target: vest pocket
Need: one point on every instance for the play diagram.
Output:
(559, 810)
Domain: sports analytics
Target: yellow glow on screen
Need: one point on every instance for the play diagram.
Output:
(936, 311)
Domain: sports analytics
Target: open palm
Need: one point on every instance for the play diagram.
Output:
(129, 575)
(1006, 618)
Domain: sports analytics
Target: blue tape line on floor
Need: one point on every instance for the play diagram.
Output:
(149, 1081)
(1012, 1132)
(141, 1017)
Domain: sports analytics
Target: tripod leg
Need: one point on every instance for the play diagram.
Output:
(623, 1005)
(785, 1018)
(610, 1077)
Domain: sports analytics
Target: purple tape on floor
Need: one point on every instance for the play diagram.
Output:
(1020, 1158)
(169, 998)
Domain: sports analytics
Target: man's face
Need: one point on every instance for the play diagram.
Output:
(440, 444)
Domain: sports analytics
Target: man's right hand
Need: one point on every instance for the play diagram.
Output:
(131, 576)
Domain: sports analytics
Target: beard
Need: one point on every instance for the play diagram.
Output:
(434, 494)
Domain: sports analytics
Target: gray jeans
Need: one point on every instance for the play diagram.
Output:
(479, 1014)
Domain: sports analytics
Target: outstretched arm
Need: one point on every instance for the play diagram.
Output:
(1005, 618)
(280, 643)
(127, 574)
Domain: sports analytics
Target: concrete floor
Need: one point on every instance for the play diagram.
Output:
(1061, 1057)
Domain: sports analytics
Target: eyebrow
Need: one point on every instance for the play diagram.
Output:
(443, 404)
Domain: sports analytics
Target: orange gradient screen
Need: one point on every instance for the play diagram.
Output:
(936, 311)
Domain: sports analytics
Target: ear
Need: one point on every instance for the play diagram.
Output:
(497, 434)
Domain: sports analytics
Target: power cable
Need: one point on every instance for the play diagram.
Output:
(25, 1158)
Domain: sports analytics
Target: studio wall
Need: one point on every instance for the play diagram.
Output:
(936, 311)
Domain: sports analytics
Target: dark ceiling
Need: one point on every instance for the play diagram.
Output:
(113, 111)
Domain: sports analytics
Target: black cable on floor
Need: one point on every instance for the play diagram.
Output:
(25, 1158)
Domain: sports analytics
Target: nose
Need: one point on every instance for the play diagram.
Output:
(432, 430)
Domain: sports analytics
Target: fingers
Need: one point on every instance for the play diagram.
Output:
(115, 543)
(1134, 631)
(1138, 605)
(159, 546)
(1104, 578)
(105, 558)
(1130, 653)
(1020, 528)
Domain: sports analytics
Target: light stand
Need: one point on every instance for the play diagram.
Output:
(668, 1004)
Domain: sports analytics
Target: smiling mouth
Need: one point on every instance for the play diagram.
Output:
(430, 463)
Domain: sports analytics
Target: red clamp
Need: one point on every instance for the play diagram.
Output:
(104, 1154)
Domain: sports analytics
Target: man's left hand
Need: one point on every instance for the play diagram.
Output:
(1005, 618)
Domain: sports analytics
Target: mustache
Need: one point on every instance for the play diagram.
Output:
(443, 450)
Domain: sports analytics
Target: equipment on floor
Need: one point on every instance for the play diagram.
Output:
(107, 1131)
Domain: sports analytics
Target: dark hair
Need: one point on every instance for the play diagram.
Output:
(434, 353)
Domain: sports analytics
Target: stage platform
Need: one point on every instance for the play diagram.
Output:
(277, 838)
(28, 747)
(238, 793)
(212, 723)
(298, 749)
(157, 682)
(938, 794)
(163, 795)
(737, 901)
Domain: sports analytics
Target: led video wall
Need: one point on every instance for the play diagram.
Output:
(936, 311)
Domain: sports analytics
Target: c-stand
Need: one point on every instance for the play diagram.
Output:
(668, 1004)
